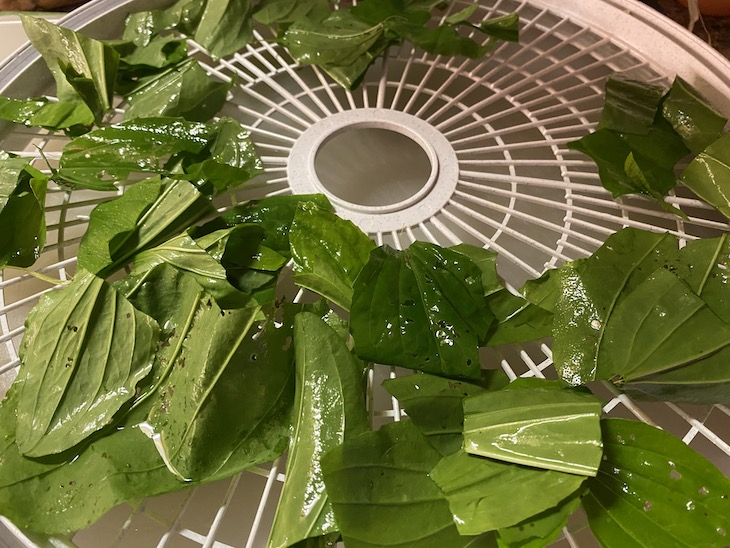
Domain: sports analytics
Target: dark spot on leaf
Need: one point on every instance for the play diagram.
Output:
(468, 362)
(129, 315)
(254, 357)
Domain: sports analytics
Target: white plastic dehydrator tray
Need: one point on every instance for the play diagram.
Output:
(481, 158)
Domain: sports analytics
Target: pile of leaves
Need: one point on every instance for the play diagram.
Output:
(191, 365)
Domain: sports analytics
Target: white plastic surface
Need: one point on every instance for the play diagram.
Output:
(495, 130)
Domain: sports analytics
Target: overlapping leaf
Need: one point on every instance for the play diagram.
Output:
(46, 114)
(330, 408)
(653, 490)
(421, 308)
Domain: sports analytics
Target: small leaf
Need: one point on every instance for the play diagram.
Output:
(84, 353)
(708, 175)
(485, 494)
(46, 114)
(631, 105)
(653, 490)
(329, 253)
(538, 427)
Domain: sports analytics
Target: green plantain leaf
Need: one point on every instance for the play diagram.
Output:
(653, 490)
(220, 153)
(631, 105)
(329, 253)
(229, 366)
(183, 253)
(46, 114)
(697, 122)
(22, 211)
(382, 496)
(183, 90)
(330, 408)
(84, 68)
(434, 404)
(708, 175)
(225, 26)
(538, 427)
(145, 215)
(420, 308)
(589, 291)
(85, 350)
(485, 494)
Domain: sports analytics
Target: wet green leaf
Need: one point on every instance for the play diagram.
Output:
(330, 408)
(691, 116)
(46, 114)
(420, 308)
(227, 358)
(145, 215)
(382, 495)
(538, 427)
(434, 404)
(328, 252)
(83, 355)
(84, 68)
(22, 211)
(653, 490)
(708, 175)
(631, 105)
(184, 90)
(485, 494)
(518, 320)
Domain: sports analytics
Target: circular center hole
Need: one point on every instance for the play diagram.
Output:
(372, 166)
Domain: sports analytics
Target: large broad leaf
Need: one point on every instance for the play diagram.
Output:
(659, 326)
(435, 406)
(84, 68)
(330, 408)
(708, 175)
(631, 105)
(220, 153)
(183, 253)
(485, 494)
(146, 214)
(486, 260)
(518, 320)
(382, 495)
(284, 11)
(22, 211)
(698, 123)
(139, 61)
(46, 114)
(85, 350)
(589, 291)
(421, 308)
(653, 490)
(274, 214)
(329, 253)
(184, 90)
(226, 403)
(143, 26)
(538, 427)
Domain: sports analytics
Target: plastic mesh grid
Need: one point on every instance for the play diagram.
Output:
(520, 192)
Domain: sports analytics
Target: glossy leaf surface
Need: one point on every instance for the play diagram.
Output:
(224, 371)
(538, 427)
(83, 355)
(708, 175)
(631, 105)
(328, 252)
(434, 404)
(329, 409)
(420, 308)
(22, 212)
(146, 214)
(485, 494)
(46, 114)
(692, 116)
(382, 495)
(84, 68)
(653, 490)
